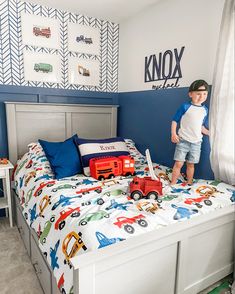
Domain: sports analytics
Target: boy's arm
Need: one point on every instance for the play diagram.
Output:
(174, 136)
(205, 131)
(177, 117)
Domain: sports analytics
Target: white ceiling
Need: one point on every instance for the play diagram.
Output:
(111, 10)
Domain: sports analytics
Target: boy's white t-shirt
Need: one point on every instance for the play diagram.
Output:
(191, 118)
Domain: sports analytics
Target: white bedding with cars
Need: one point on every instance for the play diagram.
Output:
(78, 214)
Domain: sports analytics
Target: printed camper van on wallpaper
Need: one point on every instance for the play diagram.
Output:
(40, 31)
(84, 71)
(42, 67)
(83, 39)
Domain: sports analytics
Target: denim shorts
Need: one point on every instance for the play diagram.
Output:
(186, 151)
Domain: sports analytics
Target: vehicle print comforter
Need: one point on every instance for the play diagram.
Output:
(75, 215)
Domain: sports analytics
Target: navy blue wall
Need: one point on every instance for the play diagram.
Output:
(146, 118)
(143, 116)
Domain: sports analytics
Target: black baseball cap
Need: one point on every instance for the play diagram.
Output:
(197, 84)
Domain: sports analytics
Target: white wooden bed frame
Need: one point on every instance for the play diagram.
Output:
(183, 258)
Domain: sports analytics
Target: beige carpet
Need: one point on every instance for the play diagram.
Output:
(16, 271)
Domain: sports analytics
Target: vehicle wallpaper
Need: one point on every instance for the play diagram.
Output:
(11, 47)
(79, 214)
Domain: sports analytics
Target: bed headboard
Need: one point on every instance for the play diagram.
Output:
(28, 122)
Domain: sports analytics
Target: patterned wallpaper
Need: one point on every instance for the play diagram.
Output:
(11, 47)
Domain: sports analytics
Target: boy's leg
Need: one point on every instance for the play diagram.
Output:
(192, 158)
(190, 172)
(176, 171)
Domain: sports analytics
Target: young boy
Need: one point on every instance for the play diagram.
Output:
(192, 116)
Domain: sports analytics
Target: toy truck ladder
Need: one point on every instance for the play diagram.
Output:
(150, 165)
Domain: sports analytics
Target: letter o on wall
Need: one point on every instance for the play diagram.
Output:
(164, 64)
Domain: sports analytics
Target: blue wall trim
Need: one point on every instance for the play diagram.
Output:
(50, 95)
(146, 117)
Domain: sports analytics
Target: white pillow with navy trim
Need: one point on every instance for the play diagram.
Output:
(95, 148)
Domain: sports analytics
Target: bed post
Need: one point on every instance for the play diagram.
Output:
(84, 280)
(12, 132)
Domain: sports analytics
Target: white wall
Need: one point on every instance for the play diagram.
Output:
(167, 25)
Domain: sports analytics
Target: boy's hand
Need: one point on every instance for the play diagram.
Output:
(205, 131)
(175, 138)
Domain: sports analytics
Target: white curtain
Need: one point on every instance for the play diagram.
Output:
(222, 101)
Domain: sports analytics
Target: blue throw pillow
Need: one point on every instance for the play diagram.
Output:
(92, 148)
(63, 157)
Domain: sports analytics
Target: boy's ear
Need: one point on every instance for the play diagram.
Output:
(190, 94)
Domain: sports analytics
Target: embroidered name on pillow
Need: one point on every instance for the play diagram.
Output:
(107, 148)
(99, 148)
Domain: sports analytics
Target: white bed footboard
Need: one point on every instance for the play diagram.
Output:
(182, 258)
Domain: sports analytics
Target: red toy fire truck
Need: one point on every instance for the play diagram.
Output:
(150, 187)
(145, 187)
(109, 167)
(40, 31)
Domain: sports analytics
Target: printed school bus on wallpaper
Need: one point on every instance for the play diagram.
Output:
(164, 67)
